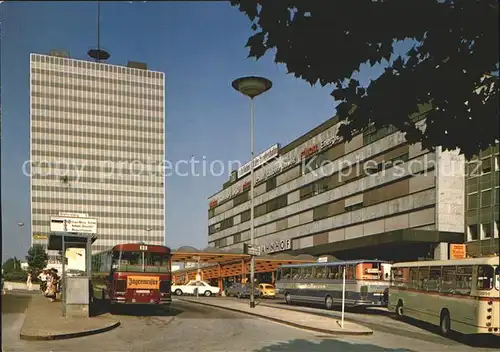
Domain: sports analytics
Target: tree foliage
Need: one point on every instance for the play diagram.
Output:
(455, 52)
(37, 258)
(12, 265)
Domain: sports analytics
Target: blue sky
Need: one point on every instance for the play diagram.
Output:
(201, 48)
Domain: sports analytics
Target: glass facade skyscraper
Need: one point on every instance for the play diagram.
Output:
(97, 146)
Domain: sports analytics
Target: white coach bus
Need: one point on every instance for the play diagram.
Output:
(460, 295)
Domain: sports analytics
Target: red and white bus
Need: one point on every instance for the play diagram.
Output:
(134, 273)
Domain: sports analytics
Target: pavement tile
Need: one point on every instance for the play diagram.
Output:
(45, 322)
(303, 320)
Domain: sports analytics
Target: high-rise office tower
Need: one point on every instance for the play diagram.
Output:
(97, 146)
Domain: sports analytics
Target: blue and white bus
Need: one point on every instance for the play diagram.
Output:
(367, 283)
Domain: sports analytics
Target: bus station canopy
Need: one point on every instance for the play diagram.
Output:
(217, 264)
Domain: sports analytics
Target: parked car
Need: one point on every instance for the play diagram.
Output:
(74, 272)
(240, 290)
(267, 290)
(192, 286)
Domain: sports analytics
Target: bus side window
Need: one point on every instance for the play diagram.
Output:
(397, 277)
(350, 273)
(307, 272)
(485, 277)
(278, 274)
(285, 273)
(423, 277)
(433, 284)
(332, 272)
(320, 272)
(464, 280)
(449, 279)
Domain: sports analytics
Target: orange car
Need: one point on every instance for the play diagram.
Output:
(267, 291)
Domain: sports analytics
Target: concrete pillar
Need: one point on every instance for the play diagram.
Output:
(243, 273)
(441, 251)
(219, 277)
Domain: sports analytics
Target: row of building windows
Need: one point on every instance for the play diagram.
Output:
(100, 213)
(124, 103)
(93, 157)
(92, 134)
(99, 192)
(66, 61)
(321, 212)
(98, 121)
(115, 113)
(98, 90)
(115, 179)
(483, 231)
(82, 167)
(315, 161)
(98, 202)
(485, 198)
(107, 147)
(376, 195)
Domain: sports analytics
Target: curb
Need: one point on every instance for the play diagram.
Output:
(300, 326)
(70, 335)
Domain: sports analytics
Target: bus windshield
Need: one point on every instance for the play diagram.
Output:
(141, 262)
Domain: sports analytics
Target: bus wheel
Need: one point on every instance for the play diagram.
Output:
(445, 323)
(399, 309)
(329, 302)
(288, 299)
(178, 292)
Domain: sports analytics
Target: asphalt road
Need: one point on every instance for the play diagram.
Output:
(192, 327)
(409, 334)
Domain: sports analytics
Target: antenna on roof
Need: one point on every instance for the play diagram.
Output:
(97, 53)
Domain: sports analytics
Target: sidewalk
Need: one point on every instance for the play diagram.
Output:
(9, 286)
(301, 320)
(44, 322)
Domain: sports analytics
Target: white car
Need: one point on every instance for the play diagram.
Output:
(190, 289)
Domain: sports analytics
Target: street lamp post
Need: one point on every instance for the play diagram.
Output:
(19, 225)
(252, 87)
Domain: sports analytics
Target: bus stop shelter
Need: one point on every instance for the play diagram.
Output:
(75, 295)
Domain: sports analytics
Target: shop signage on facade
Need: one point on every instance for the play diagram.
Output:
(309, 151)
(276, 246)
(458, 251)
(212, 204)
(283, 162)
(234, 176)
(261, 159)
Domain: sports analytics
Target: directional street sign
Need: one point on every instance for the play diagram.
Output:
(251, 250)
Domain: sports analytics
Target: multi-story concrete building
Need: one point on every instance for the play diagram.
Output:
(483, 202)
(373, 197)
(97, 145)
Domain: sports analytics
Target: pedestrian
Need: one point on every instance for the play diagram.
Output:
(50, 293)
(3, 290)
(43, 280)
(28, 282)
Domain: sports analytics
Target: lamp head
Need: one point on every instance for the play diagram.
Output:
(252, 86)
